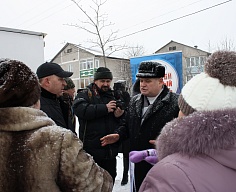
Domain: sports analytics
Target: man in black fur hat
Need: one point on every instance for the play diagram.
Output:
(98, 116)
(147, 114)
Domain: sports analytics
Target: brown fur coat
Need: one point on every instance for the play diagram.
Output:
(36, 155)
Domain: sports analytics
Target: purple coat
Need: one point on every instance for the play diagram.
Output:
(197, 153)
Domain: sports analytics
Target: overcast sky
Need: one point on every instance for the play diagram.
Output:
(210, 22)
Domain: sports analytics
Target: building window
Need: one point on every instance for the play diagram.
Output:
(188, 62)
(83, 64)
(82, 83)
(90, 64)
(96, 63)
(86, 64)
(172, 48)
(196, 61)
(69, 50)
(123, 67)
(85, 82)
(70, 67)
(192, 62)
(202, 61)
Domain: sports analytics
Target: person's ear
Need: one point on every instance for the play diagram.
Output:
(161, 80)
(47, 80)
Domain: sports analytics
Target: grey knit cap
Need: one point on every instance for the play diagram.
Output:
(103, 73)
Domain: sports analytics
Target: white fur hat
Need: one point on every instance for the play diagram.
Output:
(213, 89)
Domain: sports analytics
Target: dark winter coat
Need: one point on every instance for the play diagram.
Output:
(56, 109)
(197, 153)
(95, 121)
(164, 109)
(36, 155)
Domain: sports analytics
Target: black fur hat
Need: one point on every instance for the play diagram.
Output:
(151, 69)
(103, 73)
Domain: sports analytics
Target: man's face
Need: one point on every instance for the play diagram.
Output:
(56, 84)
(151, 87)
(103, 84)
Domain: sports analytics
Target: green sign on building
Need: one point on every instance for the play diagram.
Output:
(87, 73)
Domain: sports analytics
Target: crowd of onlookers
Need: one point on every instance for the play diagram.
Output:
(173, 142)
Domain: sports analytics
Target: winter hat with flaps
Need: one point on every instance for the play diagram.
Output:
(103, 73)
(213, 89)
(150, 69)
(18, 85)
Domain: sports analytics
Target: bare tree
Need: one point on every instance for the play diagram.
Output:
(96, 24)
(227, 45)
(135, 51)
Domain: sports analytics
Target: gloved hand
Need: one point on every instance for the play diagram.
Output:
(149, 155)
(137, 156)
(151, 159)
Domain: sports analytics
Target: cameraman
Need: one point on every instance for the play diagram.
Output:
(95, 107)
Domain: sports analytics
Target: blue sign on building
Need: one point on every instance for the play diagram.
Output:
(173, 63)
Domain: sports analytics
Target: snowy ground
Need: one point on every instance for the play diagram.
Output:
(117, 186)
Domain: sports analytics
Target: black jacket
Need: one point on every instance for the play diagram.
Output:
(164, 109)
(56, 109)
(95, 121)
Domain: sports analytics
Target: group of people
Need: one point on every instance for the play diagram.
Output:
(183, 142)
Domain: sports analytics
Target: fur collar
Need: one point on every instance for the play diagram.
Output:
(23, 118)
(200, 133)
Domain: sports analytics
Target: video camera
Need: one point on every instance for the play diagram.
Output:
(121, 95)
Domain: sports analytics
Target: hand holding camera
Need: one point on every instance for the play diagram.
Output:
(121, 95)
(118, 112)
(111, 106)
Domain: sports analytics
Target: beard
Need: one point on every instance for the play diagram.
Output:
(105, 88)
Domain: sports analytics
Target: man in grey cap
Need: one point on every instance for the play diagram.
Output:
(147, 114)
(51, 78)
(98, 116)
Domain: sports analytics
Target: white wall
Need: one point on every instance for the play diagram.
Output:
(27, 47)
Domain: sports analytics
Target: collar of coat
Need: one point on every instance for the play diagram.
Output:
(200, 133)
(47, 94)
(163, 98)
(23, 118)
